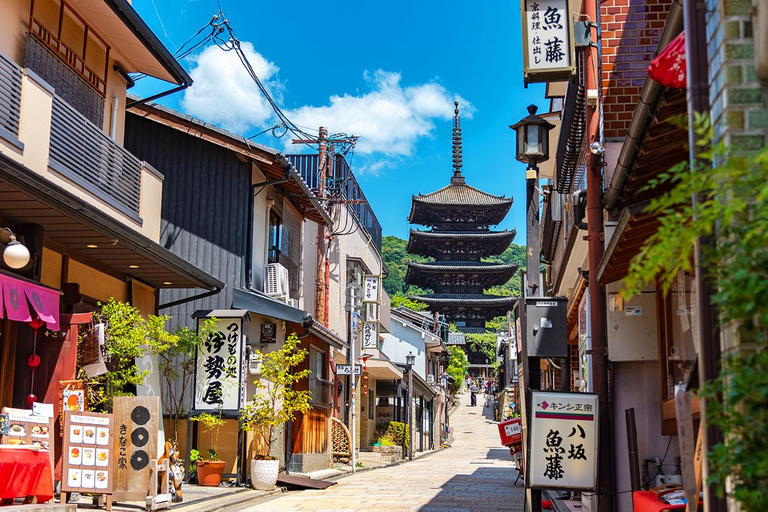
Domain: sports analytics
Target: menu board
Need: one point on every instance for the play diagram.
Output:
(24, 428)
(88, 452)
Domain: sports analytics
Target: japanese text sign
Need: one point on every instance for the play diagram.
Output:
(371, 288)
(547, 40)
(346, 369)
(370, 335)
(563, 448)
(88, 452)
(218, 368)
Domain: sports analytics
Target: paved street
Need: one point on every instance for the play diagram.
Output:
(475, 474)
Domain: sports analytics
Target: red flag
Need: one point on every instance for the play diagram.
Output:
(668, 68)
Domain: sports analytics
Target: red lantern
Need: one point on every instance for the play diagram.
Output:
(36, 323)
(31, 398)
(33, 361)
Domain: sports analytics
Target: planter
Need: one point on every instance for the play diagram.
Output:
(264, 474)
(209, 473)
(396, 451)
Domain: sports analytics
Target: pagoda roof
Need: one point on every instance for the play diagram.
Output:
(497, 273)
(431, 209)
(466, 299)
(482, 243)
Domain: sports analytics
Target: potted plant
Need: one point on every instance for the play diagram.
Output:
(210, 468)
(274, 403)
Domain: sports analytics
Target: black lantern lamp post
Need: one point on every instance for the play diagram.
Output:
(532, 134)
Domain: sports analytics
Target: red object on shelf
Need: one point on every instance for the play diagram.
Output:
(26, 473)
(511, 432)
(646, 501)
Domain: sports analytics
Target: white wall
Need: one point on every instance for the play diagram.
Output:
(404, 339)
(260, 225)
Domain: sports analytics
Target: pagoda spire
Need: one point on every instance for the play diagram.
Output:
(457, 179)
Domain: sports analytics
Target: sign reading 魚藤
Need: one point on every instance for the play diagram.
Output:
(547, 40)
(218, 368)
(371, 289)
(563, 448)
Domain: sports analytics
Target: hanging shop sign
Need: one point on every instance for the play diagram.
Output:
(136, 430)
(370, 335)
(16, 295)
(548, 47)
(219, 368)
(563, 447)
(346, 369)
(88, 454)
(371, 288)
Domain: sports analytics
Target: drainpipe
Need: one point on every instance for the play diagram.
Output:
(596, 240)
(113, 119)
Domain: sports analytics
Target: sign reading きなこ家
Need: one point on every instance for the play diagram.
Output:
(563, 448)
(218, 368)
(547, 39)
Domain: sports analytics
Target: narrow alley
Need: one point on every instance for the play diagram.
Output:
(475, 474)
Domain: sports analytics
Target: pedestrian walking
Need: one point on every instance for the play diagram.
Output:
(473, 391)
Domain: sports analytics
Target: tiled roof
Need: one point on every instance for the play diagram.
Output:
(456, 338)
(473, 330)
(473, 299)
(462, 194)
(464, 266)
(464, 235)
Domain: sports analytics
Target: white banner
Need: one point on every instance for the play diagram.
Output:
(371, 289)
(371, 335)
(546, 36)
(563, 453)
(218, 368)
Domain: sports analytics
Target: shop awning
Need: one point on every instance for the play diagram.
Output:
(383, 369)
(16, 295)
(71, 223)
(261, 304)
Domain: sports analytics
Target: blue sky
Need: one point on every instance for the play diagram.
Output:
(387, 71)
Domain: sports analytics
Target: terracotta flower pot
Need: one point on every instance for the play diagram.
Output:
(209, 473)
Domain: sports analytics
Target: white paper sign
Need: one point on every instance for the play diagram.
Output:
(346, 369)
(42, 409)
(218, 368)
(563, 452)
(548, 40)
(370, 335)
(370, 288)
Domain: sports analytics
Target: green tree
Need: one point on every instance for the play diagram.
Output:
(732, 204)
(457, 365)
(400, 300)
(485, 344)
(275, 401)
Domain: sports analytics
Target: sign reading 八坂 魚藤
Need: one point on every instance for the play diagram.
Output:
(563, 448)
(548, 49)
(218, 368)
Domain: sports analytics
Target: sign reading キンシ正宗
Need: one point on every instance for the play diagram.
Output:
(548, 48)
(563, 448)
(218, 368)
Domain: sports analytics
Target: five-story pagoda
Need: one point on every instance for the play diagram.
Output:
(459, 217)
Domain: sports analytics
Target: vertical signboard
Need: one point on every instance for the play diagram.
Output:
(563, 448)
(219, 368)
(548, 49)
(136, 427)
(371, 288)
(370, 335)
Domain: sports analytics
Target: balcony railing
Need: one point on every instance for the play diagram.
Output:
(10, 97)
(341, 186)
(86, 155)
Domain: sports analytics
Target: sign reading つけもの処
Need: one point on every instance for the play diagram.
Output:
(218, 368)
(563, 447)
(548, 49)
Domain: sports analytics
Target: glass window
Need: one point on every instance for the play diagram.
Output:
(275, 236)
(318, 385)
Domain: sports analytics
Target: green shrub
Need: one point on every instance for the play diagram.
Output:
(394, 431)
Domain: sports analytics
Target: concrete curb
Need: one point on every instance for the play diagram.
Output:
(215, 503)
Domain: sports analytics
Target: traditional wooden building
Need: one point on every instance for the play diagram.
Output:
(460, 217)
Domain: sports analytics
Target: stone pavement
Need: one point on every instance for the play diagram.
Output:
(475, 474)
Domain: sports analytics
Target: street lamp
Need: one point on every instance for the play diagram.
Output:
(532, 135)
(410, 360)
(15, 255)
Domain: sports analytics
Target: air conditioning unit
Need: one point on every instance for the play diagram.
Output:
(276, 281)
(430, 379)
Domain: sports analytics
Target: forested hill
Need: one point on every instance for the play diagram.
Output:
(396, 258)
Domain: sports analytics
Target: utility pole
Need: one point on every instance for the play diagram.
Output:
(353, 289)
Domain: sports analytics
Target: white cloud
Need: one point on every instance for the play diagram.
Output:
(390, 119)
(223, 92)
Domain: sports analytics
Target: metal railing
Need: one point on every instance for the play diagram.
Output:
(10, 96)
(341, 187)
(86, 155)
